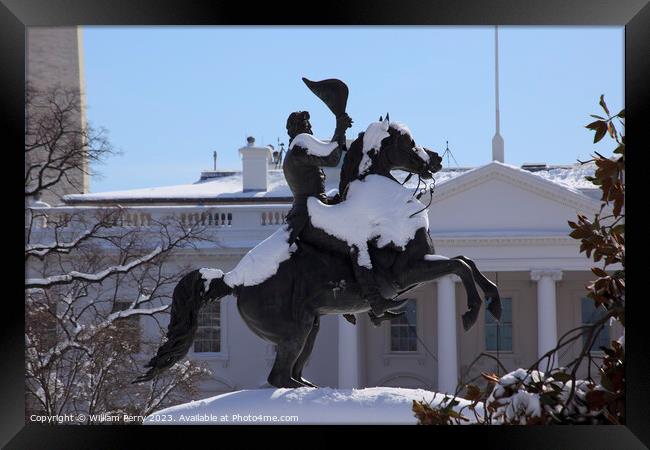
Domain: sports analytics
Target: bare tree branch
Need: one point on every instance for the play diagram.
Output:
(89, 279)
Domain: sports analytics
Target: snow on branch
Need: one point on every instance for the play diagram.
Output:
(92, 277)
(132, 312)
(42, 250)
(59, 349)
(82, 335)
(183, 372)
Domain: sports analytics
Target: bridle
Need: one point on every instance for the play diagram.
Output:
(431, 188)
(419, 192)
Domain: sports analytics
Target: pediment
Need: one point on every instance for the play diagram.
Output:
(502, 197)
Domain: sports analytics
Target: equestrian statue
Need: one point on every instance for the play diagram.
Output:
(358, 251)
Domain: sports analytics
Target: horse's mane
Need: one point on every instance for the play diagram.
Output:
(350, 167)
(353, 157)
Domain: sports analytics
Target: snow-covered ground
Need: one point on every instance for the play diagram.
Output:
(515, 399)
(378, 405)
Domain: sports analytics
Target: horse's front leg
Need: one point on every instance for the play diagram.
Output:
(488, 287)
(429, 270)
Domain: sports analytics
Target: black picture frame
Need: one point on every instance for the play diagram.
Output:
(15, 15)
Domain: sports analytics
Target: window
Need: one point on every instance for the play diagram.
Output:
(129, 326)
(208, 334)
(498, 335)
(591, 314)
(403, 336)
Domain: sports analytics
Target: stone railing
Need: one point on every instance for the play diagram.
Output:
(240, 217)
(208, 218)
(273, 217)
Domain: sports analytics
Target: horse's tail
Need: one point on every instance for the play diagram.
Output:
(188, 298)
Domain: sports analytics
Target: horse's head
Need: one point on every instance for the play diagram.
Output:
(402, 153)
(391, 146)
(386, 146)
(435, 160)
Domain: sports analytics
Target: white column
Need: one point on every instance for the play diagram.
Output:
(348, 354)
(447, 345)
(546, 308)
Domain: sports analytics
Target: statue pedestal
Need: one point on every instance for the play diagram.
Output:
(372, 406)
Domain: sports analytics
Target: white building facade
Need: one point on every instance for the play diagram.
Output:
(511, 221)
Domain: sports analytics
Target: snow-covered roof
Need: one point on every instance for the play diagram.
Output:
(223, 188)
(228, 189)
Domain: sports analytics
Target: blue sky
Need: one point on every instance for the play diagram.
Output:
(170, 96)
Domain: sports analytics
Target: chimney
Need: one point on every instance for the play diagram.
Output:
(255, 161)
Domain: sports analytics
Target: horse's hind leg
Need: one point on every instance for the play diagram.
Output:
(306, 352)
(289, 350)
(285, 359)
(489, 288)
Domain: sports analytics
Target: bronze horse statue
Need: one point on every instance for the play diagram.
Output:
(284, 306)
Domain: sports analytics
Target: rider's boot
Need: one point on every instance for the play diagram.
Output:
(380, 305)
(370, 288)
(370, 292)
(388, 315)
(377, 304)
(368, 285)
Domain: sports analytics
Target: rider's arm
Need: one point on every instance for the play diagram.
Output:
(330, 160)
(342, 123)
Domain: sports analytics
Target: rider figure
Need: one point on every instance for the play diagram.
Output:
(306, 179)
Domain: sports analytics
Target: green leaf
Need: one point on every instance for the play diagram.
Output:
(597, 117)
(621, 114)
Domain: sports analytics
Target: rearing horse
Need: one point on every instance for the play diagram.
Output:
(282, 291)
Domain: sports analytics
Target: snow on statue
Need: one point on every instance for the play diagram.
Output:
(379, 208)
(356, 252)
